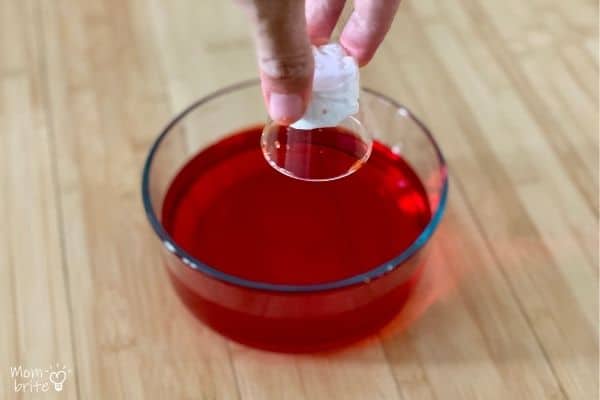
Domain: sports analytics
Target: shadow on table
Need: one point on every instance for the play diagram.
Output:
(464, 310)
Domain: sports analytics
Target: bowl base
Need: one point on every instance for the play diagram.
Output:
(299, 335)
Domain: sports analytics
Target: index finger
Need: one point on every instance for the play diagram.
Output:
(321, 18)
(367, 26)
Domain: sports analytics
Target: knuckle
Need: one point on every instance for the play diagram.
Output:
(288, 67)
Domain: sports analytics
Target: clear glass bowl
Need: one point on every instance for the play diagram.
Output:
(288, 317)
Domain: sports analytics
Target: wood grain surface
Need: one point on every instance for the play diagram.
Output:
(509, 308)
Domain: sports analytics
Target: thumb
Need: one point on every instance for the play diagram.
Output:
(285, 56)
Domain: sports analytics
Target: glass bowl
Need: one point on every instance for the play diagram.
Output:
(290, 317)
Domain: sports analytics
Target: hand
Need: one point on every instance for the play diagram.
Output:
(284, 30)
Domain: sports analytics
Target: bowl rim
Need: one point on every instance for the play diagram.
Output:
(362, 278)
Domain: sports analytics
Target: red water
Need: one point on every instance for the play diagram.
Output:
(228, 208)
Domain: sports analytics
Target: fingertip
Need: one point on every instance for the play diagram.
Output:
(361, 40)
(362, 54)
(317, 38)
(367, 27)
(285, 108)
(286, 101)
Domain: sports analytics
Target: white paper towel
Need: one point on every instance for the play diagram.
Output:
(335, 89)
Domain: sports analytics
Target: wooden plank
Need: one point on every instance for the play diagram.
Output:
(36, 333)
(134, 338)
(541, 283)
(464, 144)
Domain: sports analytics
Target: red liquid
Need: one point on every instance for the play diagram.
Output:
(228, 208)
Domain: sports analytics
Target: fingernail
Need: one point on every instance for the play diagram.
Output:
(284, 107)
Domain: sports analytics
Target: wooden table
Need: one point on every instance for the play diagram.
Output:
(508, 308)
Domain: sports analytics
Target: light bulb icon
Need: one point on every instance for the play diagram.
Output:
(58, 378)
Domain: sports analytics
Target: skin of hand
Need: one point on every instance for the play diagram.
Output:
(283, 32)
